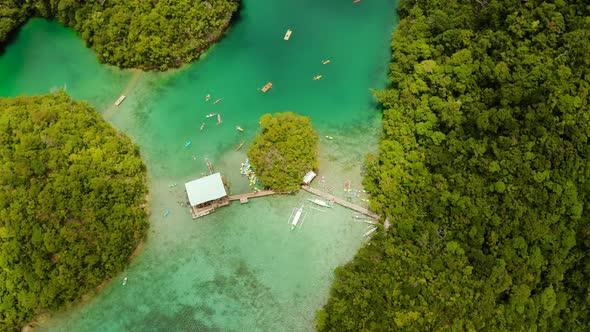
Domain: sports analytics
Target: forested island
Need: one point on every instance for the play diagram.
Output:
(285, 149)
(131, 33)
(72, 204)
(484, 171)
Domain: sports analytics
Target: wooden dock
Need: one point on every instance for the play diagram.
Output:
(243, 198)
(342, 202)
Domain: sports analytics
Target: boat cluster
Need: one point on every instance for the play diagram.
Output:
(247, 170)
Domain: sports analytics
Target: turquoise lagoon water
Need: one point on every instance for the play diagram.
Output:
(239, 269)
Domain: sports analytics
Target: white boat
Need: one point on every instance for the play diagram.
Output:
(202, 125)
(218, 118)
(124, 281)
(319, 202)
(210, 115)
(371, 230)
(120, 100)
(298, 214)
(288, 34)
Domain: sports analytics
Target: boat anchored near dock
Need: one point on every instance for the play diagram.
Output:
(320, 202)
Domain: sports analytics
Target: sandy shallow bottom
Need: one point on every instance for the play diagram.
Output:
(241, 268)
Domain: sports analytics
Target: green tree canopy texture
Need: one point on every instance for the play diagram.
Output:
(72, 196)
(484, 170)
(284, 150)
(131, 33)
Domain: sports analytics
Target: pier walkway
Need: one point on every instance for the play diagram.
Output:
(342, 202)
(243, 198)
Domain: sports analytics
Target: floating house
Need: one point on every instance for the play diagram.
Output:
(309, 177)
(206, 194)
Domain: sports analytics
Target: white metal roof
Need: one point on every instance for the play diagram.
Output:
(308, 177)
(205, 189)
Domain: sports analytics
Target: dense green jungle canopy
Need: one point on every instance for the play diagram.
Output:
(484, 170)
(72, 195)
(131, 33)
(284, 150)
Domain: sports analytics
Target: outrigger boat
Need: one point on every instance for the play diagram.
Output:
(319, 202)
(239, 146)
(218, 118)
(207, 97)
(218, 100)
(318, 77)
(266, 87)
(295, 217)
(325, 62)
(210, 115)
(202, 125)
(239, 128)
(288, 34)
(371, 230)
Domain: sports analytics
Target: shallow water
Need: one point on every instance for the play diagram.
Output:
(239, 268)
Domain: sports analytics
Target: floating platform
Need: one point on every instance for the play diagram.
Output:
(288, 34)
(120, 100)
(267, 87)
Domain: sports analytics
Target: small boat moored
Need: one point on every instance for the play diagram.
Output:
(218, 118)
(318, 77)
(325, 62)
(239, 146)
(266, 87)
(202, 125)
(329, 137)
(295, 217)
(188, 143)
(239, 128)
(120, 100)
(217, 101)
(207, 97)
(288, 34)
(319, 202)
(210, 115)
